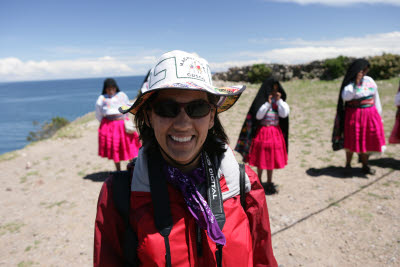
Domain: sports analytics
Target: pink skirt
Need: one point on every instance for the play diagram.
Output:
(268, 149)
(115, 143)
(363, 130)
(395, 135)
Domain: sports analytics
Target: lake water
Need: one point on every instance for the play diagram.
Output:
(22, 103)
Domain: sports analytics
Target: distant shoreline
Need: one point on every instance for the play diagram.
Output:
(70, 79)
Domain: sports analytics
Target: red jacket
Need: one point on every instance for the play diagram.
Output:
(247, 232)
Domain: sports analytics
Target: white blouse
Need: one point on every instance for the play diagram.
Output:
(108, 106)
(367, 87)
(283, 109)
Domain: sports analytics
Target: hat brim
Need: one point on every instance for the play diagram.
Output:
(228, 97)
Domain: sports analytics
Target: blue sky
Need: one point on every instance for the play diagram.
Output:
(59, 39)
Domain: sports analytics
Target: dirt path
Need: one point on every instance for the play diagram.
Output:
(319, 218)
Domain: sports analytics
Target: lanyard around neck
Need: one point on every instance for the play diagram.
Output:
(214, 194)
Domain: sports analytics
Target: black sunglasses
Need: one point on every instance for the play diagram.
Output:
(171, 109)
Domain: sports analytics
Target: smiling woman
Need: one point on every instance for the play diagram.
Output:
(180, 136)
(186, 205)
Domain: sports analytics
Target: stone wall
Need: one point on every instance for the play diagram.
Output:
(312, 70)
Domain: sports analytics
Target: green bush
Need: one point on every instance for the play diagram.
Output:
(258, 73)
(335, 67)
(384, 67)
(48, 129)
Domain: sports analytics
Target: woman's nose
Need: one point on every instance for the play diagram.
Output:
(182, 121)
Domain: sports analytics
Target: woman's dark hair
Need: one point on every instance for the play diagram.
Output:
(355, 67)
(109, 82)
(216, 137)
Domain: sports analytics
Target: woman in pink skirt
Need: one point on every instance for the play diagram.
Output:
(359, 121)
(395, 136)
(114, 142)
(268, 117)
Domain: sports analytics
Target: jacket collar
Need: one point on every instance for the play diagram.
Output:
(229, 168)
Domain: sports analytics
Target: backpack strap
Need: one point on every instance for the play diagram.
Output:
(160, 199)
(121, 188)
(120, 185)
(242, 181)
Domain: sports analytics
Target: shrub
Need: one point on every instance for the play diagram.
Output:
(384, 67)
(47, 130)
(335, 67)
(258, 73)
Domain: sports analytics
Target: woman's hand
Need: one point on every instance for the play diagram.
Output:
(278, 96)
(270, 99)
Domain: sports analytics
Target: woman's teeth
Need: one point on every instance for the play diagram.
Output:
(181, 139)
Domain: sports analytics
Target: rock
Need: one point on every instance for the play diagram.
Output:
(28, 165)
(288, 75)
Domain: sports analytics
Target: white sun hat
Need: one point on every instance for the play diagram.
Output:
(184, 71)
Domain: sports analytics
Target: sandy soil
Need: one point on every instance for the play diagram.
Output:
(321, 216)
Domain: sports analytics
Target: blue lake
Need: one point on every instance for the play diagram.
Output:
(23, 103)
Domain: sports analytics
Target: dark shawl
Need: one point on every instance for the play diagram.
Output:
(251, 124)
(338, 127)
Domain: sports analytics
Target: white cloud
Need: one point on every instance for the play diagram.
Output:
(382, 40)
(302, 51)
(120, 61)
(222, 66)
(291, 52)
(340, 2)
(14, 69)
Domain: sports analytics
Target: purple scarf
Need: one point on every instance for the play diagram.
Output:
(195, 202)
